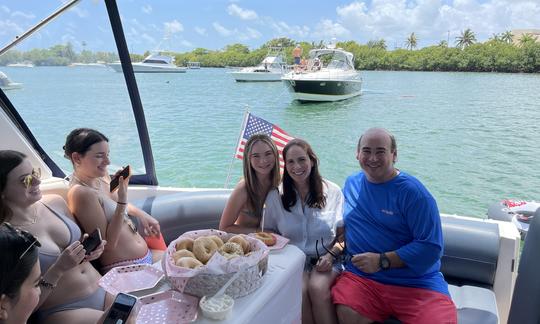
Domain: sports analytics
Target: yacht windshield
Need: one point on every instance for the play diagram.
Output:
(68, 85)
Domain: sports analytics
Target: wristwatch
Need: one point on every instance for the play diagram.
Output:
(384, 262)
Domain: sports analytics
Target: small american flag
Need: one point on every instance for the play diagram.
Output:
(257, 125)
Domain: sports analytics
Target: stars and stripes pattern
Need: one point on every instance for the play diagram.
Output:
(257, 125)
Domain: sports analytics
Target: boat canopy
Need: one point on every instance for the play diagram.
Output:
(159, 59)
(340, 58)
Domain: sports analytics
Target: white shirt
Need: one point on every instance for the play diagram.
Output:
(304, 227)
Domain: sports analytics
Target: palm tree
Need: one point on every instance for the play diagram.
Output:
(527, 38)
(443, 43)
(467, 38)
(411, 41)
(507, 37)
(495, 37)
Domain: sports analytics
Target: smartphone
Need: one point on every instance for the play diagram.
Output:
(120, 309)
(92, 241)
(115, 181)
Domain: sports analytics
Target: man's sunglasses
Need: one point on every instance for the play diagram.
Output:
(343, 258)
(30, 179)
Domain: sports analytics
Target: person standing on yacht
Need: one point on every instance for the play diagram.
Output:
(309, 213)
(244, 209)
(394, 243)
(297, 54)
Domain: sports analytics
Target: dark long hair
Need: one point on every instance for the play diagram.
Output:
(9, 160)
(16, 264)
(80, 140)
(315, 198)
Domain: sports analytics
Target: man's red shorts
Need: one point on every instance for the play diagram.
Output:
(378, 301)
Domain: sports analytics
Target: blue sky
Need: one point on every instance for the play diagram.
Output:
(183, 25)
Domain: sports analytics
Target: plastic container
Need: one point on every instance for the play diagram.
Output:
(217, 308)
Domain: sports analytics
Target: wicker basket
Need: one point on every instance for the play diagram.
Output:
(202, 283)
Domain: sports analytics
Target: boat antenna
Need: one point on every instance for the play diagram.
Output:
(35, 28)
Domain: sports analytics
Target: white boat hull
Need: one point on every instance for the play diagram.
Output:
(240, 76)
(149, 68)
(11, 86)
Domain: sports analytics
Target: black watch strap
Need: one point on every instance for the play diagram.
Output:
(384, 262)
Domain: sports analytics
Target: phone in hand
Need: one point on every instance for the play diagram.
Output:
(115, 181)
(92, 241)
(120, 309)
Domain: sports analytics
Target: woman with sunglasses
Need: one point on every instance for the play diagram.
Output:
(243, 211)
(94, 206)
(20, 275)
(309, 213)
(70, 291)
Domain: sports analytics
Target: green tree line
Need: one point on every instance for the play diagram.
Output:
(498, 54)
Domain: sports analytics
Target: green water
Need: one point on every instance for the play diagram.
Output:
(472, 138)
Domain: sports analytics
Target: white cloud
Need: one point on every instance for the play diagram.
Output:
(221, 30)
(173, 27)
(244, 14)
(281, 28)
(147, 9)
(148, 39)
(186, 43)
(201, 31)
(24, 15)
(328, 29)
(433, 20)
(250, 33)
(5, 9)
(78, 11)
(10, 28)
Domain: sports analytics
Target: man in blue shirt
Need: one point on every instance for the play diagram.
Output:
(394, 237)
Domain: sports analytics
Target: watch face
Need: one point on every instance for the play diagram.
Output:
(384, 262)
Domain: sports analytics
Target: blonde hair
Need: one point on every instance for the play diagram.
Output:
(255, 200)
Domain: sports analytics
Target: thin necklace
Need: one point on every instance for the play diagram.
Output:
(83, 183)
(32, 221)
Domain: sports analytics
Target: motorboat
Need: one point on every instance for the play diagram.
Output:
(329, 75)
(193, 65)
(271, 68)
(153, 63)
(7, 84)
(22, 64)
(479, 260)
(518, 212)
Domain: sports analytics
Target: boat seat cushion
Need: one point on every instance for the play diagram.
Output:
(185, 211)
(471, 250)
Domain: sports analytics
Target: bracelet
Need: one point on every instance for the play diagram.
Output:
(121, 203)
(46, 284)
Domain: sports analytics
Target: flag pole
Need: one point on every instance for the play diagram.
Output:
(246, 113)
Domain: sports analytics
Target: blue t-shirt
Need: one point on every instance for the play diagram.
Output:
(399, 215)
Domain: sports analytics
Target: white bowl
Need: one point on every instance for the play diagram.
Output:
(218, 308)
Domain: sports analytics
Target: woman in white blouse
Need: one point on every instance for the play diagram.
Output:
(309, 213)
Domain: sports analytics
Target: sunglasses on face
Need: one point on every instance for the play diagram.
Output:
(30, 179)
(28, 238)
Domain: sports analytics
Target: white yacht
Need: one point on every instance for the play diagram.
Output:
(7, 84)
(193, 65)
(271, 68)
(328, 76)
(153, 63)
(22, 64)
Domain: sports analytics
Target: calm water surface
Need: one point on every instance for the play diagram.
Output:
(472, 138)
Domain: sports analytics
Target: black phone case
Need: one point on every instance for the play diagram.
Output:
(116, 180)
(92, 242)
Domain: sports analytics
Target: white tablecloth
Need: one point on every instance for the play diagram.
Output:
(278, 300)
